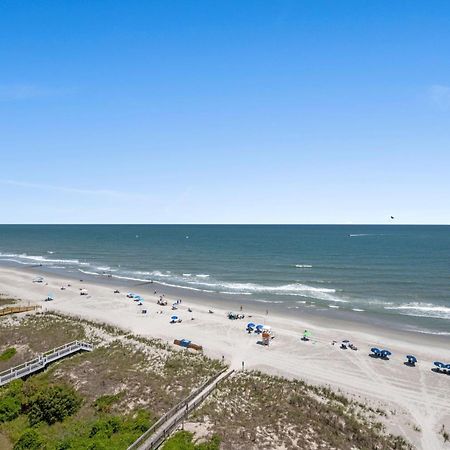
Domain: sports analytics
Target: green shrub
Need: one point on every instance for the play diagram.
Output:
(105, 427)
(30, 440)
(107, 433)
(8, 354)
(182, 440)
(53, 404)
(105, 402)
(10, 408)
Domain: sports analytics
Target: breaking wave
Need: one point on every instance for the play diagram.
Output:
(418, 309)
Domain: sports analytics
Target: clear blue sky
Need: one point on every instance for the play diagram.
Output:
(224, 111)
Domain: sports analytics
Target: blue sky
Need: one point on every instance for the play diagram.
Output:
(224, 111)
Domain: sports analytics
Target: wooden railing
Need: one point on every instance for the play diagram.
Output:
(17, 309)
(41, 361)
(161, 429)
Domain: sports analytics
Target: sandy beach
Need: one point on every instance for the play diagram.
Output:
(415, 397)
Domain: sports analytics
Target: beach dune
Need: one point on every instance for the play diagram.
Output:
(415, 399)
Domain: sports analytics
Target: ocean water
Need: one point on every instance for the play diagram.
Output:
(397, 274)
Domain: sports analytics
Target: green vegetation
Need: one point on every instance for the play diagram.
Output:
(53, 404)
(54, 418)
(105, 402)
(254, 410)
(183, 440)
(10, 408)
(30, 440)
(75, 404)
(8, 354)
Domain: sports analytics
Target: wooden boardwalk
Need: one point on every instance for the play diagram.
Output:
(17, 309)
(155, 436)
(43, 360)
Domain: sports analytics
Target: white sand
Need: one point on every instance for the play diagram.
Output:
(416, 396)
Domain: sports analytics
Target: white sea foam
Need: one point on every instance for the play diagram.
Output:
(16, 261)
(42, 259)
(104, 268)
(88, 272)
(418, 309)
(187, 274)
(358, 310)
(259, 300)
(202, 275)
(437, 333)
(303, 266)
(333, 306)
(235, 293)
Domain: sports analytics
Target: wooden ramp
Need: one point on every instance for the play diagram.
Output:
(43, 360)
(155, 436)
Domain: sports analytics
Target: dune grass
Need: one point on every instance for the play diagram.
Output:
(119, 389)
(8, 354)
(254, 410)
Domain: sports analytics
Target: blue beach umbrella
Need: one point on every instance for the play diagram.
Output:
(412, 359)
(174, 318)
(375, 350)
(439, 364)
(259, 327)
(447, 366)
(251, 325)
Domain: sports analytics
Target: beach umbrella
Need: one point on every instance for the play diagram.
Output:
(375, 350)
(447, 366)
(439, 364)
(251, 325)
(385, 353)
(346, 341)
(259, 327)
(307, 333)
(174, 318)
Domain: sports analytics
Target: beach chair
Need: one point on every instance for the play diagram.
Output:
(410, 360)
(441, 367)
